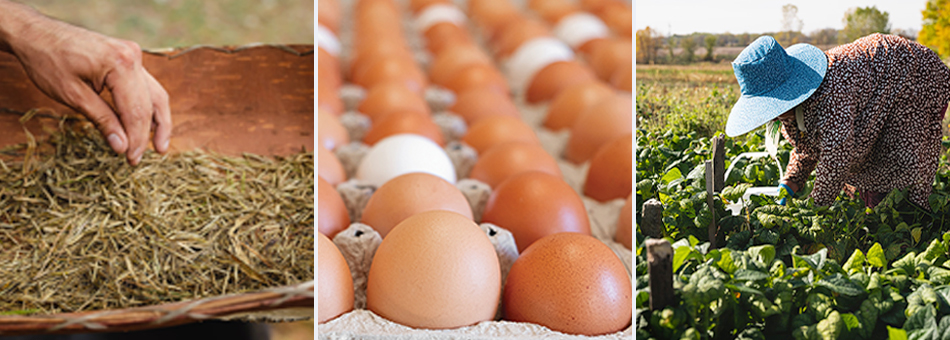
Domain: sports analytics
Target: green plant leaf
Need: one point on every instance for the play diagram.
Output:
(764, 254)
(896, 333)
(875, 256)
(840, 284)
(743, 289)
(750, 275)
(855, 262)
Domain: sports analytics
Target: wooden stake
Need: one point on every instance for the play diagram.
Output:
(652, 222)
(710, 183)
(719, 162)
(660, 267)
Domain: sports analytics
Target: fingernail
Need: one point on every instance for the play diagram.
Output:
(115, 142)
(139, 153)
(165, 145)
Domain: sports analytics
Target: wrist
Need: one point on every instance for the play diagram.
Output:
(16, 23)
(791, 185)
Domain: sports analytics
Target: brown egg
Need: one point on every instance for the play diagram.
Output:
(329, 14)
(622, 78)
(410, 194)
(453, 59)
(554, 78)
(586, 48)
(332, 216)
(619, 17)
(494, 130)
(328, 99)
(516, 33)
(368, 52)
(475, 104)
(404, 122)
(417, 6)
(330, 132)
(335, 286)
(554, 14)
(570, 283)
(328, 69)
(574, 100)
(534, 204)
(329, 167)
(383, 70)
(389, 97)
(508, 159)
(610, 175)
(625, 224)
(598, 125)
(478, 76)
(540, 5)
(606, 57)
(440, 36)
(436, 270)
(594, 5)
(492, 15)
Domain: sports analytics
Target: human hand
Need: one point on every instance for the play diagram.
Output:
(788, 186)
(73, 65)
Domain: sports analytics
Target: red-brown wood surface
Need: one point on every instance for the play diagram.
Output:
(231, 100)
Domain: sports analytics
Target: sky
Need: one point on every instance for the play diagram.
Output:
(759, 16)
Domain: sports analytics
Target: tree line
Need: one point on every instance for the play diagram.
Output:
(655, 48)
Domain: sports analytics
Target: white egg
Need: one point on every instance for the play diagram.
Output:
(435, 14)
(579, 28)
(533, 56)
(402, 154)
(328, 41)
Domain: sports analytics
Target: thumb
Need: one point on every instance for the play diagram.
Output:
(99, 112)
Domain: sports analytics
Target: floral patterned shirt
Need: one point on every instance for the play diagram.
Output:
(874, 123)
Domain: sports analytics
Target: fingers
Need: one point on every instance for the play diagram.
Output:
(98, 111)
(133, 100)
(162, 118)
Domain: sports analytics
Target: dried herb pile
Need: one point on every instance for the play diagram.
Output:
(80, 229)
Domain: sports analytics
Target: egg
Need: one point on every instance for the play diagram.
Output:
(597, 125)
(382, 70)
(332, 216)
(327, 41)
(390, 97)
(555, 14)
(492, 15)
(624, 233)
(622, 78)
(328, 14)
(328, 69)
(609, 56)
(579, 28)
(535, 204)
(329, 167)
(404, 122)
(402, 154)
(335, 283)
(555, 77)
(418, 5)
(328, 98)
(366, 52)
(435, 270)
(330, 132)
(477, 76)
(533, 56)
(594, 5)
(516, 33)
(410, 194)
(453, 59)
(572, 101)
(610, 175)
(619, 17)
(444, 34)
(494, 130)
(475, 104)
(438, 13)
(570, 283)
(508, 159)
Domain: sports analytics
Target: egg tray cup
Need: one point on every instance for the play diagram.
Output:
(231, 99)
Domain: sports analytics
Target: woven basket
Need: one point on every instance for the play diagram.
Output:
(227, 99)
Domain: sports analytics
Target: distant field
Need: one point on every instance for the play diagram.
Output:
(685, 98)
(173, 23)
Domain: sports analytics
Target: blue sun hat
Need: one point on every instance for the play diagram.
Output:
(773, 80)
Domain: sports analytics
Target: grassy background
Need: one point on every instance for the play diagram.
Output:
(175, 23)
